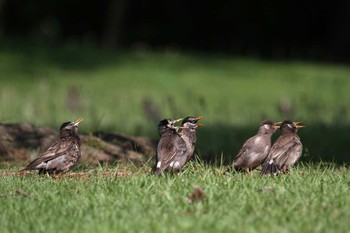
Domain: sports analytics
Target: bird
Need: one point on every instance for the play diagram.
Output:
(285, 151)
(170, 145)
(62, 155)
(255, 150)
(188, 130)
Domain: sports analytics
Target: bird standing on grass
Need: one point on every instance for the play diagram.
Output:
(255, 150)
(188, 131)
(285, 151)
(62, 155)
(170, 145)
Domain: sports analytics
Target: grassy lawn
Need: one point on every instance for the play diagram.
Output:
(310, 199)
(129, 92)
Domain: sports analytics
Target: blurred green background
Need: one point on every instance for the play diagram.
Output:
(124, 65)
(129, 92)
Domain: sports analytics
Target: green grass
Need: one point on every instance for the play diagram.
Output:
(313, 198)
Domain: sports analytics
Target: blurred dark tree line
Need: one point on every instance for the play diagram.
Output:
(269, 29)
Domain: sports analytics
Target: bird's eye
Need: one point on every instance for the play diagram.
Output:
(290, 126)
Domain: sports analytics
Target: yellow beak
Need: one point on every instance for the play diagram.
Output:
(200, 125)
(178, 120)
(299, 126)
(77, 122)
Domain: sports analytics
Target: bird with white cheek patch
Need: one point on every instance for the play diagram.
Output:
(188, 132)
(285, 151)
(255, 150)
(62, 155)
(170, 146)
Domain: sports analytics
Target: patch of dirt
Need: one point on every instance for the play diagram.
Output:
(197, 195)
(73, 175)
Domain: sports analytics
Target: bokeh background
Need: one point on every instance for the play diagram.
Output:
(124, 65)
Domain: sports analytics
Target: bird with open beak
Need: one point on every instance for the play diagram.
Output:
(63, 154)
(188, 132)
(255, 150)
(170, 146)
(286, 151)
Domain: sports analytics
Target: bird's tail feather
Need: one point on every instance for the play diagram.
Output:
(27, 168)
(269, 168)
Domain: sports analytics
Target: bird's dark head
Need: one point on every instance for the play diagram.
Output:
(191, 119)
(168, 124)
(191, 122)
(70, 128)
(290, 126)
(269, 126)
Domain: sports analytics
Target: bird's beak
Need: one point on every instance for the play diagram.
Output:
(77, 122)
(200, 124)
(298, 126)
(178, 120)
(198, 118)
(277, 124)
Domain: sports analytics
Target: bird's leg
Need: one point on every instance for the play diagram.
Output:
(286, 171)
(247, 171)
(42, 172)
(57, 175)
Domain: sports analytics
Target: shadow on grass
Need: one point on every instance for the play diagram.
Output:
(220, 144)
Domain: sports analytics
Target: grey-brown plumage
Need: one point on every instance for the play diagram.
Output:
(188, 133)
(285, 151)
(255, 150)
(170, 145)
(63, 154)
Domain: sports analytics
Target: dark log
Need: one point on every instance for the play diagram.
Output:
(19, 142)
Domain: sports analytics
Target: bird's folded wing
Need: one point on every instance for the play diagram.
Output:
(168, 151)
(293, 147)
(55, 150)
(279, 149)
(180, 146)
(247, 146)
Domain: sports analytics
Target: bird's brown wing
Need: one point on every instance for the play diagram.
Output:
(280, 147)
(168, 149)
(293, 148)
(57, 149)
(181, 149)
(247, 146)
(253, 152)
